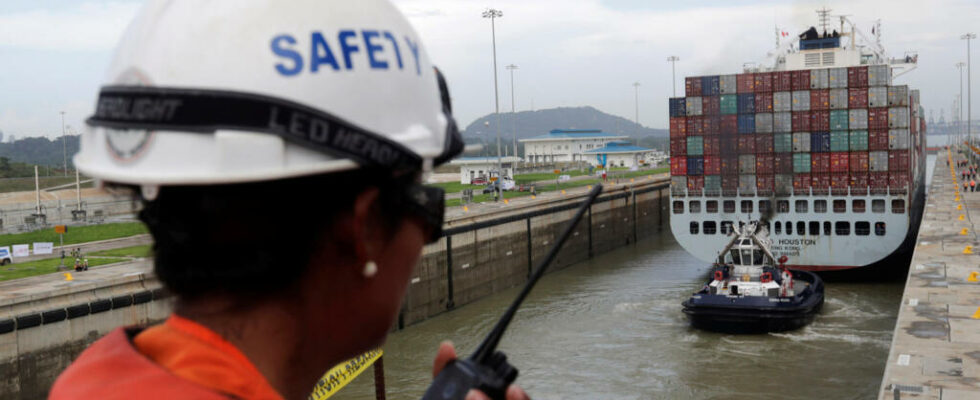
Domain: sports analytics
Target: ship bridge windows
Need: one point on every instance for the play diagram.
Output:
(814, 228)
(862, 228)
(801, 206)
(746, 206)
(729, 206)
(858, 206)
(779, 228)
(840, 206)
(694, 227)
(842, 228)
(694, 206)
(764, 206)
(709, 227)
(880, 228)
(820, 206)
(826, 228)
(726, 227)
(877, 206)
(678, 207)
(736, 258)
(711, 206)
(800, 228)
(898, 206)
(782, 206)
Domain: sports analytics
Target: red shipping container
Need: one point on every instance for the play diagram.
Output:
(801, 79)
(857, 98)
(783, 163)
(729, 166)
(710, 105)
(729, 182)
(819, 162)
(692, 86)
(695, 124)
(712, 146)
(840, 181)
(695, 182)
(678, 146)
(729, 124)
(763, 102)
(678, 165)
(763, 82)
(839, 162)
(820, 99)
(678, 127)
(878, 118)
(801, 121)
(801, 181)
(898, 160)
(819, 121)
(712, 125)
(782, 81)
(712, 165)
(746, 144)
(763, 143)
(898, 179)
(765, 183)
(817, 180)
(878, 140)
(913, 127)
(764, 163)
(745, 83)
(859, 180)
(857, 77)
(878, 180)
(729, 146)
(858, 161)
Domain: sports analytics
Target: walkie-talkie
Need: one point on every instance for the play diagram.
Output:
(487, 370)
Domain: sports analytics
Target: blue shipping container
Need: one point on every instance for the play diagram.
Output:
(820, 142)
(709, 86)
(746, 123)
(678, 107)
(695, 165)
(746, 103)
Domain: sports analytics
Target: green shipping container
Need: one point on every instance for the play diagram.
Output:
(838, 120)
(729, 104)
(712, 182)
(801, 163)
(839, 141)
(859, 141)
(783, 142)
(695, 146)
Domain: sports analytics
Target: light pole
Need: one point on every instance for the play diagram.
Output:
(636, 103)
(959, 118)
(64, 147)
(969, 97)
(493, 15)
(513, 108)
(673, 78)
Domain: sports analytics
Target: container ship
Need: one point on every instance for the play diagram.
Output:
(821, 146)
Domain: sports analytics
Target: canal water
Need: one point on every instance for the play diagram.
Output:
(612, 328)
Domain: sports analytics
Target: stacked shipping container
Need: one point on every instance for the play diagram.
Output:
(821, 130)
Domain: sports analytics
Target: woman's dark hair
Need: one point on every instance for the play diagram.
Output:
(254, 239)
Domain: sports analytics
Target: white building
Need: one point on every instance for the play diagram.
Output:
(565, 145)
(472, 168)
(620, 154)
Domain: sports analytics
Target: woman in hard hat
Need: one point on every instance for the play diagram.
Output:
(278, 150)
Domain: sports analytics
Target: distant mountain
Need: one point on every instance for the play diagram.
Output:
(40, 150)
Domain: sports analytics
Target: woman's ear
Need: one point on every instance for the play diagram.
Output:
(361, 226)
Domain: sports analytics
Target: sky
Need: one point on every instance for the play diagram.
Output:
(53, 53)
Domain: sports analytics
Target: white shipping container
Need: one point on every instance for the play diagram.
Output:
(763, 123)
(801, 100)
(819, 79)
(746, 184)
(838, 78)
(915, 97)
(782, 101)
(838, 98)
(898, 95)
(746, 164)
(898, 139)
(879, 75)
(782, 122)
(727, 85)
(877, 96)
(694, 106)
(898, 117)
(801, 142)
(878, 161)
(857, 119)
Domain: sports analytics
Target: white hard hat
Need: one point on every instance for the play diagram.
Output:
(232, 91)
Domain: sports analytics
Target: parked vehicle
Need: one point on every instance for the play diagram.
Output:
(5, 256)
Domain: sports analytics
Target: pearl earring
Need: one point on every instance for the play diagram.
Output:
(370, 269)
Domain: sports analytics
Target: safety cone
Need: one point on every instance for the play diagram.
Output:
(976, 315)
(962, 217)
(959, 206)
(973, 277)
(968, 250)
(68, 277)
(963, 232)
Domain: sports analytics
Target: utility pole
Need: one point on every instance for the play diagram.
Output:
(636, 103)
(513, 107)
(64, 146)
(969, 97)
(493, 15)
(959, 118)
(673, 78)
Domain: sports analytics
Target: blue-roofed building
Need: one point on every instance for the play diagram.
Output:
(619, 154)
(565, 145)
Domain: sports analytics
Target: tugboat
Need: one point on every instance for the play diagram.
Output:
(748, 293)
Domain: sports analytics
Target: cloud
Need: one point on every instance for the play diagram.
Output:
(84, 27)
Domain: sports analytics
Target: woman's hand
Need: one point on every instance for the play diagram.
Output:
(447, 353)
